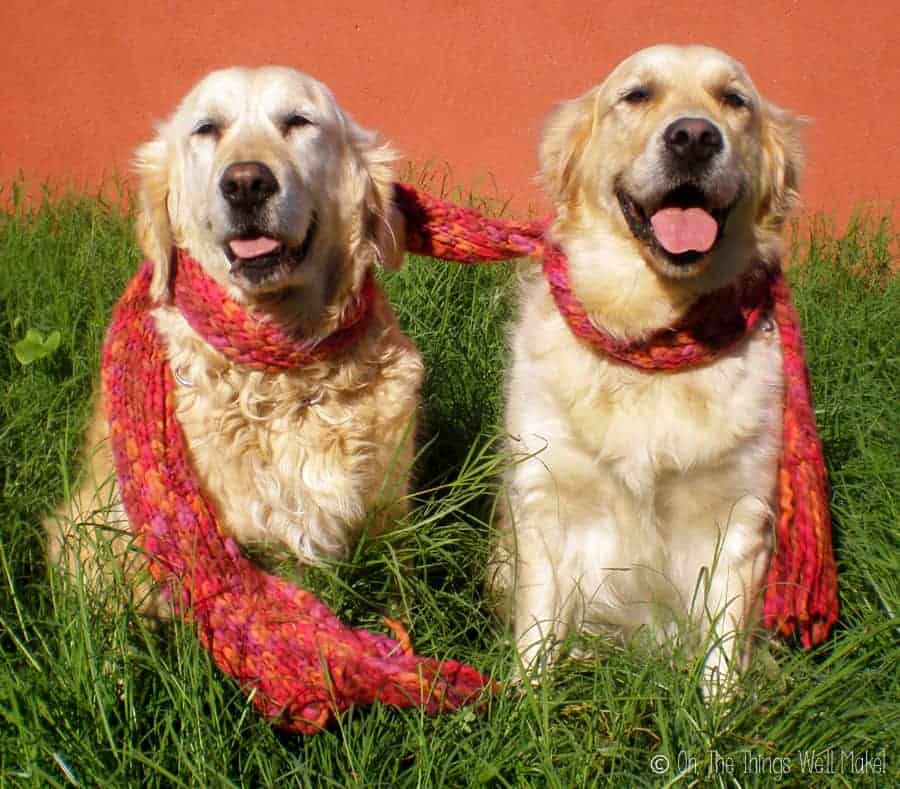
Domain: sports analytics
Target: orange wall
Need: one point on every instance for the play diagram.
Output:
(464, 84)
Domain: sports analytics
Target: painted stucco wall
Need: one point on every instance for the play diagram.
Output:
(464, 85)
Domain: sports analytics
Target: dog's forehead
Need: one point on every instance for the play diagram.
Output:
(271, 88)
(678, 64)
(279, 85)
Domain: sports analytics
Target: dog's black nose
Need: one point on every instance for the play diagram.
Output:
(247, 185)
(693, 140)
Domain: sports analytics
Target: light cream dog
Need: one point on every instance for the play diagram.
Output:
(286, 202)
(647, 499)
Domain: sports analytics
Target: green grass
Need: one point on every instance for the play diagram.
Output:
(105, 701)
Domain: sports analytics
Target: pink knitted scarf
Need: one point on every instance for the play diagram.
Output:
(285, 647)
(801, 594)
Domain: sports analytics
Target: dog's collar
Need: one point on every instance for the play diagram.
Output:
(714, 324)
(254, 340)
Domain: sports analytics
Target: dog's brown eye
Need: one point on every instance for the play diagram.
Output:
(206, 129)
(734, 100)
(636, 96)
(295, 120)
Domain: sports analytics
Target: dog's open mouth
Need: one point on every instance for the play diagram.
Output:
(683, 225)
(257, 256)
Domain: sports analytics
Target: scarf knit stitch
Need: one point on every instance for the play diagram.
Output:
(285, 648)
(801, 592)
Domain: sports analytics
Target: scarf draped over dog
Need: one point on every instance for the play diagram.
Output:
(298, 662)
(281, 644)
(801, 592)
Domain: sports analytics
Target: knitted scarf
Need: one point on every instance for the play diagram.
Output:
(801, 593)
(285, 648)
(282, 645)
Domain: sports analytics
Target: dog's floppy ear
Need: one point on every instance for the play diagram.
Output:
(783, 159)
(382, 227)
(154, 228)
(566, 135)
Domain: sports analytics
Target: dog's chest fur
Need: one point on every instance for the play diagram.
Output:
(643, 468)
(299, 458)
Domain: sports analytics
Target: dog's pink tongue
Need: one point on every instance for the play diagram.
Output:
(253, 247)
(684, 230)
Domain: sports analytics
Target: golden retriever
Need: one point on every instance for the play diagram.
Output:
(287, 203)
(646, 498)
